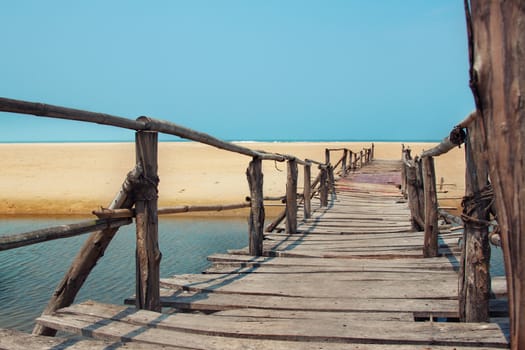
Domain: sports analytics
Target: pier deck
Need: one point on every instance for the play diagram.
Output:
(353, 277)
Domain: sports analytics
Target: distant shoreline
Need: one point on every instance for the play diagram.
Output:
(232, 141)
(75, 178)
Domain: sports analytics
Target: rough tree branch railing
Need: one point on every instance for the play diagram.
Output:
(138, 198)
(474, 276)
(62, 231)
(147, 124)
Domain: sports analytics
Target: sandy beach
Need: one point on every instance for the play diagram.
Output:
(75, 178)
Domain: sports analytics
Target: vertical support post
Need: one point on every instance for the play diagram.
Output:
(361, 159)
(256, 220)
(327, 156)
(404, 160)
(413, 200)
(343, 163)
(350, 160)
(420, 190)
(323, 186)
(291, 197)
(331, 180)
(430, 245)
(148, 255)
(307, 192)
(474, 270)
(372, 152)
(406, 157)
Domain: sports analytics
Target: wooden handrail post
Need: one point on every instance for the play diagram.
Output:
(307, 192)
(413, 200)
(256, 220)
(430, 245)
(291, 197)
(361, 159)
(420, 190)
(92, 250)
(327, 156)
(323, 186)
(474, 291)
(343, 163)
(331, 180)
(372, 152)
(148, 255)
(350, 162)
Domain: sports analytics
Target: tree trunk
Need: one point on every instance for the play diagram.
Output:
(497, 56)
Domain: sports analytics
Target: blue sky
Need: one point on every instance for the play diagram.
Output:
(240, 70)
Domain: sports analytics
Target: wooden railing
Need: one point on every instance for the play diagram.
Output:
(419, 186)
(137, 198)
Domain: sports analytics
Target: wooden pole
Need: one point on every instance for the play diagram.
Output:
(256, 220)
(475, 261)
(148, 255)
(361, 155)
(57, 232)
(45, 110)
(404, 166)
(291, 197)
(420, 190)
(496, 40)
(430, 245)
(343, 163)
(307, 192)
(413, 200)
(372, 152)
(327, 156)
(323, 187)
(350, 158)
(86, 259)
(105, 213)
(331, 180)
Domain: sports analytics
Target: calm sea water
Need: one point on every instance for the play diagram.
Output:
(29, 275)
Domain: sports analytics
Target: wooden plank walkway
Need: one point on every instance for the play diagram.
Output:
(352, 278)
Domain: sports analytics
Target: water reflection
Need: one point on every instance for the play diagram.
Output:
(29, 275)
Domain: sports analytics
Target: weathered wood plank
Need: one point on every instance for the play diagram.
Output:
(308, 286)
(441, 263)
(15, 340)
(330, 331)
(218, 302)
(249, 314)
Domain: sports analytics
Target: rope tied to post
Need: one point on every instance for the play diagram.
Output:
(457, 136)
(481, 200)
(144, 187)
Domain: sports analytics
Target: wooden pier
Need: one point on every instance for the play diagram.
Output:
(352, 276)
